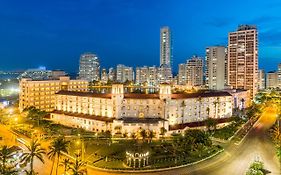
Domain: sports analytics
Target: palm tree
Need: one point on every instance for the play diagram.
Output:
(149, 135)
(6, 153)
(78, 167)
(276, 134)
(142, 134)
(183, 105)
(200, 103)
(66, 164)
(216, 105)
(58, 146)
(34, 151)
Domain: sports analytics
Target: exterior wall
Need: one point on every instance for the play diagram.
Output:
(131, 128)
(84, 105)
(163, 109)
(141, 108)
(165, 47)
(194, 68)
(41, 94)
(215, 67)
(180, 111)
(243, 59)
(76, 122)
(89, 68)
(272, 80)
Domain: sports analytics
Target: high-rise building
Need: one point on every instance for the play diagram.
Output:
(89, 68)
(147, 75)
(112, 74)
(271, 80)
(124, 73)
(182, 74)
(141, 75)
(104, 76)
(261, 79)
(165, 74)
(243, 59)
(215, 67)
(194, 70)
(165, 47)
(152, 76)
(279, 75)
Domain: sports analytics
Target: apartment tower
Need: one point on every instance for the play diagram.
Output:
(243, 59)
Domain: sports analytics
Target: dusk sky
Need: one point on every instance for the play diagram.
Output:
(54, 33)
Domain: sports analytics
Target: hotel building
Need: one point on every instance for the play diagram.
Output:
(41, 93)
(119, 112)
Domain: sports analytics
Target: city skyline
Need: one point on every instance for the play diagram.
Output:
(64, 30)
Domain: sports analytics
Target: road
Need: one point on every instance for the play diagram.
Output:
(235, 160)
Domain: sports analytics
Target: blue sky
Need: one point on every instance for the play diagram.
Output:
(54, 33)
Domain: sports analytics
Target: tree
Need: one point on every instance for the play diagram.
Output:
(78, 167)
(142, 134)
(162, 131)
(58, 146)
(216, 103)
(183, 105)
(211, 124)
(256, 168)
(149, 135)
(33, 150)
(65, 163)
(35, 114)
(6, 154)
(276, 134)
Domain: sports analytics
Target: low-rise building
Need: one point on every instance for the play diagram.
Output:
(41, 93)
(120, 112)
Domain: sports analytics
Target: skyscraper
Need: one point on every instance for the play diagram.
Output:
(165, 47)
(194, 69)
(124, 73)
(261, 79)
(215, 67)
(89, 68)
(182, 76)
(271, 80)
(279, 75)
(243, 58)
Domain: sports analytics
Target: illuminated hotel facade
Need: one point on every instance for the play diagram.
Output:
(41, 93)
(119, 112)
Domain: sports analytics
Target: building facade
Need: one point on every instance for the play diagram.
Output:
(271, 80)
(182, 74)
(119, 112)
(165, 47)
(104, 76)
(215, 67)
(194, 70)
(243, 59)
(124, 73)
(261, 79)
(41, 93)
(89, 68)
